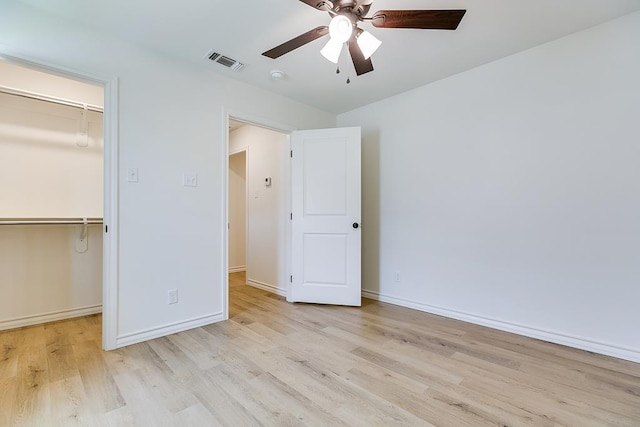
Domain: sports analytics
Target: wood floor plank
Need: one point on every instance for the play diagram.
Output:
(32, 400)
(255, 401)
(304, 409)
(70, 403)
(9, 353)
(181, 367)
(540, 395)
(61, 362)
(410, 368)
(102, 392)
(278, 364)
(196, 415)
(196, 350)
(219, 402)
(150, 405)
(8, 394)
(353, 405)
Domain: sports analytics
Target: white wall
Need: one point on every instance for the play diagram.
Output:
(44, 174)
(266, 210)
(237, 211)
(43, 278)
(171, 121)
(508, 195)
(30, 80)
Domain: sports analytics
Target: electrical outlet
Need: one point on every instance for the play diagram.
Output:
(190, 179)
(396, 277)
(172, 296)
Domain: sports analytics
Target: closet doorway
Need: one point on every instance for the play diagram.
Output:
(258, 200)
(51, 185)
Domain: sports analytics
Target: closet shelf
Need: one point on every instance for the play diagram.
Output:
(49, 221)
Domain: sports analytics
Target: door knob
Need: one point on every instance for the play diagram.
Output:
(356, 225)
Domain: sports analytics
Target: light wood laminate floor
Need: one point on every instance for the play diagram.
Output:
(281, 364)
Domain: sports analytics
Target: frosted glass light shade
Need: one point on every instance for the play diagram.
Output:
(368, 44)
(340, 28)
(332, 50)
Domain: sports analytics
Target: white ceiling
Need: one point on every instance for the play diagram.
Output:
(407, 59)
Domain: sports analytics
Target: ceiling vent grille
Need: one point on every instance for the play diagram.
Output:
(226, 61)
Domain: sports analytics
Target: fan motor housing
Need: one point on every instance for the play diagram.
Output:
(350, 6)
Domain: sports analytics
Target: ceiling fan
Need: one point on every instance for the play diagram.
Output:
(343, 28)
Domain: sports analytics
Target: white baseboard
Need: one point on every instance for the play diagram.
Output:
(51, 316)
(161, 331)
(550, 336)
(267, 287)
(237, 269)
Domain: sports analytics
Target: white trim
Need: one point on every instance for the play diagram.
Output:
(238, 151)
(238, 269)
(110, 262)
(51, 316)
(267, 287)
(224, 244)
(544, 335)
(172, 328)
(110, 182)
(257, 121)
(288, 255)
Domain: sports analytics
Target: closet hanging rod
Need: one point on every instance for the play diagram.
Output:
(47, 98)
(49, 221)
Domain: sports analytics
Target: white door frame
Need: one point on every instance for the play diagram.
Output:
(110, 183)
(224, 167)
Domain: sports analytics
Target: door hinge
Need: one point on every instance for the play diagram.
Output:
(290, 279)
(106, 228)
(291, 153)
(291, 216)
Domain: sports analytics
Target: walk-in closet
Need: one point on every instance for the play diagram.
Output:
(51, 197)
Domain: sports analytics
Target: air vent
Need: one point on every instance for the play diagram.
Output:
(226, 61)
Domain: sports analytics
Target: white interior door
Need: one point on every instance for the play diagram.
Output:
(325, 202)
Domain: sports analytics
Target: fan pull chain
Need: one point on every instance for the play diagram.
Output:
(348, 80)
(338, 70)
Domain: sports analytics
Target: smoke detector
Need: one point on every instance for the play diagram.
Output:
(277, 75)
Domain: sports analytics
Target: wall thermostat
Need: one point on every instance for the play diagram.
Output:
(267, 181)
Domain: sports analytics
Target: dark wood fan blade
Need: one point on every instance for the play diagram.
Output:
(422, 19)
(319, 4)
(296, 42)
(361, 65)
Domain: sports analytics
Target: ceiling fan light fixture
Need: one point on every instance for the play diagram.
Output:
(332, 50)
(340, 28)
(367, 43)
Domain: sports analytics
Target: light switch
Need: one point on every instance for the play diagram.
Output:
(190, 179)
(132, 175)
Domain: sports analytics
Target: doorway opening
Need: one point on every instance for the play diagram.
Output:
(238, 211)
(257, 207)
(57, 154)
